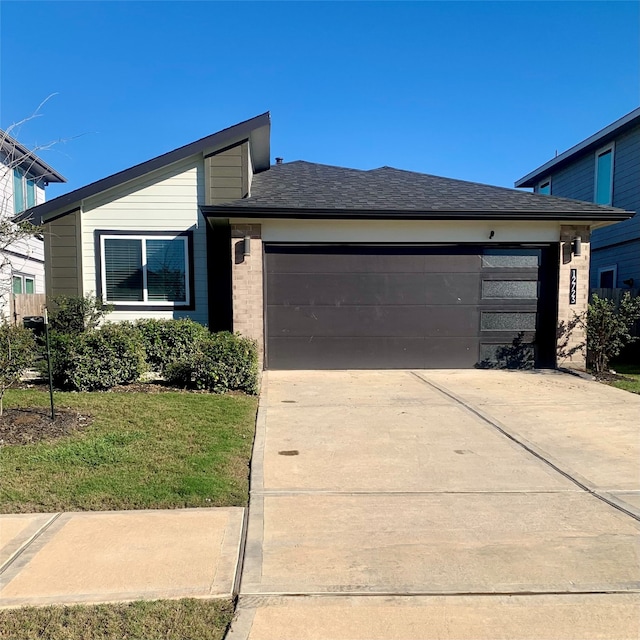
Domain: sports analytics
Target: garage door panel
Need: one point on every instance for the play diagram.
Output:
(347, 289)
(373, 353)
(448, 263)
(373, 321)
(369, 260)
(346, 353)
(325, 261)
(450, 352)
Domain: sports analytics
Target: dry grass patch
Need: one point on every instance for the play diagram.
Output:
(187, 619)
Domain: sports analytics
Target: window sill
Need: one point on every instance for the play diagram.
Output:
(150, 307)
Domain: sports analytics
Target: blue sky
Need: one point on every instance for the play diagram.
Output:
(481, 91)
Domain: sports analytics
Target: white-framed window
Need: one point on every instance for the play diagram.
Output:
(23, 283)
(145, 269)
(544, 187)
(603, 192)
(608, 277)
(24, 191)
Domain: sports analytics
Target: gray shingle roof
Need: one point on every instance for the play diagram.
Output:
(307, 186)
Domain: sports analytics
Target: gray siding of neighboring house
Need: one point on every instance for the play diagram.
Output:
(624, 256)
(575, 181)
(618, 244)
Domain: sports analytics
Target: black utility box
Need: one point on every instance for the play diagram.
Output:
(35, 323)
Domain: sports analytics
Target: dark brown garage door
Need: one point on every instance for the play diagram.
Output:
(362, 307)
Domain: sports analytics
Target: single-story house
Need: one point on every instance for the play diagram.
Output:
(327, 267)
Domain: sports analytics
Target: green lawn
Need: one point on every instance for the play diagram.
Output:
(630, 371)
(159, 620)
(141, 451)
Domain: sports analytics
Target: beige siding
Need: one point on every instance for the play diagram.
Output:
(63, 261)
(164, 200)
(405, 231)
(228, 174)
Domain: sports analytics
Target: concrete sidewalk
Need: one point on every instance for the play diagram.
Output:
(93, 557)
(388, 505)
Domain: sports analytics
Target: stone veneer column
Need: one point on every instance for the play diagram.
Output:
(566, 310)
(246, 280)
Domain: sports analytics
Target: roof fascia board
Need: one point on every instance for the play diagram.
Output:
(221, 139)
(222, 212)
(28, 160)
(597, 139)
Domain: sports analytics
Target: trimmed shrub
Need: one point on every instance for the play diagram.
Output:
(166, 341)
(76, 314)
(97, 360)
(608, 329)
(17, 354)
(220, 362)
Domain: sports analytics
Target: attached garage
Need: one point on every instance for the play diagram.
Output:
(364, 306)
(335, 268)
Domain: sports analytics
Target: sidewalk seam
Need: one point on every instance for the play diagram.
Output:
(28, 543)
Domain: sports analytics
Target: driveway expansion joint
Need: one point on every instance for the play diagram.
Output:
(528, 447)
(426, 593)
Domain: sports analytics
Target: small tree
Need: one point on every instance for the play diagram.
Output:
(13, 235)
(17, 354)
(608, 329)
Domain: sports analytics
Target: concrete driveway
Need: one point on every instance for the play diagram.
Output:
(456, 504)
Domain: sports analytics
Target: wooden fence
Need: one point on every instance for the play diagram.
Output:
(27, 304)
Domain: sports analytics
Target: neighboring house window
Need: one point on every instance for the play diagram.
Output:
(604, 176)
(545, 187)
(607, 277)
(140, 269)
(23, 283)
(24, 191)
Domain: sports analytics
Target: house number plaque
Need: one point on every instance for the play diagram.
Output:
(573, 287)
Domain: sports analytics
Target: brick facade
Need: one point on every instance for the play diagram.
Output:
(246, 277)
(566, 310)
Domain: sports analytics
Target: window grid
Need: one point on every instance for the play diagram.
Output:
(145, 295)
(24, 191)
(22, 283)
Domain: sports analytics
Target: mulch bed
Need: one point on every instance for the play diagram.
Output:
(27, 426)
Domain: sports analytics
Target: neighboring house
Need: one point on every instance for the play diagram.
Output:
(23, 178)
(605, 169)
(326, 267)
